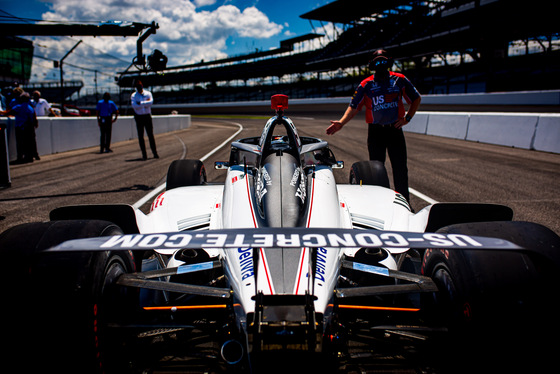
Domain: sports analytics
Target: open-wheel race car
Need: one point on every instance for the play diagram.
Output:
(278, 267)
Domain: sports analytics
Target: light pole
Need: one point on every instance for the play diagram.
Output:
(62, 77)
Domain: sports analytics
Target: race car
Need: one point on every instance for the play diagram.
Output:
(278, 259)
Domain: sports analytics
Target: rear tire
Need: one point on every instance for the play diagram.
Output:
(509, 281)
(65, 300)
(496, 304)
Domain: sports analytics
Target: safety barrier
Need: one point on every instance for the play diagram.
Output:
(537, 131)
(56, 134)
(477, 120)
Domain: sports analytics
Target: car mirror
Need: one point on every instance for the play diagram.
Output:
(338, 165)
(221, 165)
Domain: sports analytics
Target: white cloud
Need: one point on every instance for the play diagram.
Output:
(201, 3)
(180, 24)
(186, 34)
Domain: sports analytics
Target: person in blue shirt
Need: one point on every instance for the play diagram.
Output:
(107, 113)
(25, 124)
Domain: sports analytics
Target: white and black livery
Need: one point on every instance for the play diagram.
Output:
(278, 258)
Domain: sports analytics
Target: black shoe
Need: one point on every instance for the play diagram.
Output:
(109, 150)
(156, 155)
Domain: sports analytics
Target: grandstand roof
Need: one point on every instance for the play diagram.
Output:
(288, 43)
(285, 46)
(344, 11)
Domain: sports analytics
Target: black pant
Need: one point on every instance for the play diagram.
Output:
(25, 142)
(144, 121)
(388, 139)
(105, 126)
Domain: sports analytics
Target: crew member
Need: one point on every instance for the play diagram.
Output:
(42, 106)
(25, 124)
(386, 90)
(107, 114)
(142, 101)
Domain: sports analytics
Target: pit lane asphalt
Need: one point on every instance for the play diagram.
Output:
(445, 170)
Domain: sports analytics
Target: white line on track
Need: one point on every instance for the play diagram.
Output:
(427, 199)
(158, 189)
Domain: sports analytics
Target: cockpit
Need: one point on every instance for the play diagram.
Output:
(279, 162)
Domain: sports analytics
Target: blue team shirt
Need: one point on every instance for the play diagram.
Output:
(106, 108)
(385, 97)
(24, 113)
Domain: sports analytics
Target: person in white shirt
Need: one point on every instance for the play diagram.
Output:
(42, 106)
(142, 101)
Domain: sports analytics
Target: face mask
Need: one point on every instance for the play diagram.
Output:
(380, 65)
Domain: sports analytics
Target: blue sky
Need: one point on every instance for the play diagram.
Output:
(189, 30)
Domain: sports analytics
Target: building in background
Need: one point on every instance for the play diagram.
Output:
(16, 58)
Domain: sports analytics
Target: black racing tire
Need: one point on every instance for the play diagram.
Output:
(369, 173)
(109, 305)
(516, 280)
(182, 173)
(66, 301)
(495, 303)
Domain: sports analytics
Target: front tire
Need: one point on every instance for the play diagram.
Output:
(370, 173)
(183, 173)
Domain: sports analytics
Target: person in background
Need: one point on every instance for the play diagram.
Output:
(107, 114)
(42, 106)
(14, 97)
(25, 124)
(142, 101)
(383, 94)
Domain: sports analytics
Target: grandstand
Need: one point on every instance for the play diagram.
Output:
(443, 46)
